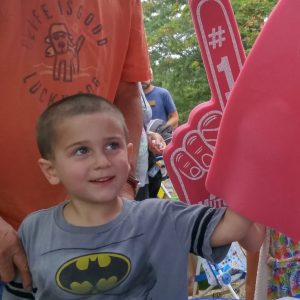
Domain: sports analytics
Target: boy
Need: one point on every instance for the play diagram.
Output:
(96, 245)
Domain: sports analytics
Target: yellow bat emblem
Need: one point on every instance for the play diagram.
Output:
(93, 274)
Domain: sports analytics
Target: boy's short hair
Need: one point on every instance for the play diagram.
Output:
(79, 104)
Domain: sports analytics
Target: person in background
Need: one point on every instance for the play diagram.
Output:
(151, 143)
(98, 245)
(161, 102)
(50, 49)
(278, 273)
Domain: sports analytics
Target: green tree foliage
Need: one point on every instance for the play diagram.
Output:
(174, 51)
(251, 15)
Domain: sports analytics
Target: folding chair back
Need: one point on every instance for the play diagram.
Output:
(223, 274)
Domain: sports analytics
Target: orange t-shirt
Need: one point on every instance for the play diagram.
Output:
(50, 49)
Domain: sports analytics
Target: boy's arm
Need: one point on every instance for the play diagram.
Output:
(254, 238)
(234, 227)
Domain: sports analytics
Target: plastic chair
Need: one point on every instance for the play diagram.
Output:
(231, 270)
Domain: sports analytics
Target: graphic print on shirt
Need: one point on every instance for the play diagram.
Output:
(61, 42)
(93, 274)
(64, 51)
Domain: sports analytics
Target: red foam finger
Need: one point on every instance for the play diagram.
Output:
(256, 164)
(223, 57)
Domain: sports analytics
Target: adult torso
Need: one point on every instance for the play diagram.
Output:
(51, 49)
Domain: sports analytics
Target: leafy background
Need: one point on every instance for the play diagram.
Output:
(173, 48)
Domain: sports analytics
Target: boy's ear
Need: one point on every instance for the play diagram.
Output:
(49, 171)
(130, 154)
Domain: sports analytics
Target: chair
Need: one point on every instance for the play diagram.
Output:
(222, 275)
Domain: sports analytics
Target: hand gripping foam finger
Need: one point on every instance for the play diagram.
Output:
(190, 152)
(256, 163)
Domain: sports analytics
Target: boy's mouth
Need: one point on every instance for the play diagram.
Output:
(103, 179)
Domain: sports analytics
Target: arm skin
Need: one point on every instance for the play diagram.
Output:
(250, 236)
(252, 264)
(128, 101)
(234, 227)
(12, 256)
(173, 119)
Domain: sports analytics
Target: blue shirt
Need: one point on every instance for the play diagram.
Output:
(161, 103)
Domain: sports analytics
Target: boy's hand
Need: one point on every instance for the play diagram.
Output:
(12, 256)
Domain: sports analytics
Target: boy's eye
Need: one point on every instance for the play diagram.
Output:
(81, 151)
(112, 146)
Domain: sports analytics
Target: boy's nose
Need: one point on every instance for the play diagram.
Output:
(101, 161)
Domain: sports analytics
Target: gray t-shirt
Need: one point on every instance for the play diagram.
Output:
(141, 254)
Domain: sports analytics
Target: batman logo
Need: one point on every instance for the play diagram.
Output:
(93, 274)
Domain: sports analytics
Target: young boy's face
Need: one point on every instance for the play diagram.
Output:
(91, 157)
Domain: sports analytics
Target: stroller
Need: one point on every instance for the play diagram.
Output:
(161, 127)
(157, 171)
